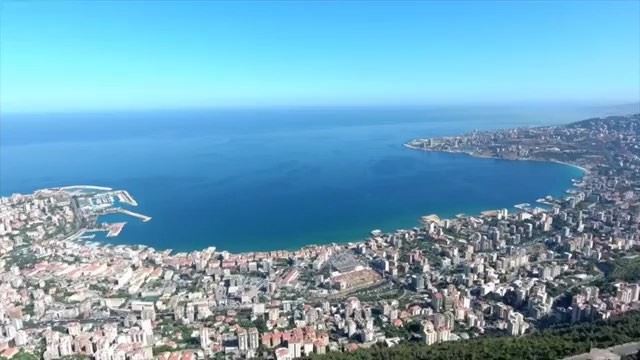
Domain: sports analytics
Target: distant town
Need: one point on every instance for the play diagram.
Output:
(504, 272)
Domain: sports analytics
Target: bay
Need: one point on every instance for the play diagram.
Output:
(264, 179)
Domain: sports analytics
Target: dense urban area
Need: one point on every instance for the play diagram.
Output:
(555, 279)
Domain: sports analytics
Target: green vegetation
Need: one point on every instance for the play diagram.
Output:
(261, 325)
(28, 309)
(22, 258)
(22, 355)
(157, 350)
(392, 331)
(403, 332)
(181, 334)
(389, 294)
(624, 269)
(553, 343)
(186, 333)
(258, 323)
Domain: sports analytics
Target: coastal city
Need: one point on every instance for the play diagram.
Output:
(65, 294)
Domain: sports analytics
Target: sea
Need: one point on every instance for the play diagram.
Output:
(276, 178)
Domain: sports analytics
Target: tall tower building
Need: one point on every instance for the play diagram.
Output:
(243, 340)
(205, 341)
(253, 338)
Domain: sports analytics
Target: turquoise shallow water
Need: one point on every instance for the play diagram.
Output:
(268, 179)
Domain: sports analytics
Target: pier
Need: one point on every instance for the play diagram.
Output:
(142, 217)
(119, 210)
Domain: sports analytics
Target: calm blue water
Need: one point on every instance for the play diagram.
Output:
(268, 179)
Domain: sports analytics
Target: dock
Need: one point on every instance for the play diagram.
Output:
(114, 229)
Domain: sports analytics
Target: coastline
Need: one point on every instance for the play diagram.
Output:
(583, 169)
(471, 154)
(340, 243)
(134, 231)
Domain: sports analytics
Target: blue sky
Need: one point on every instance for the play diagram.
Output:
(75, 55)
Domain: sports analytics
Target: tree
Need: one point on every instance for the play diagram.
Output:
(553, 343)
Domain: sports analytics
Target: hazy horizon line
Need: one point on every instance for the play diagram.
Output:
(586, 104)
